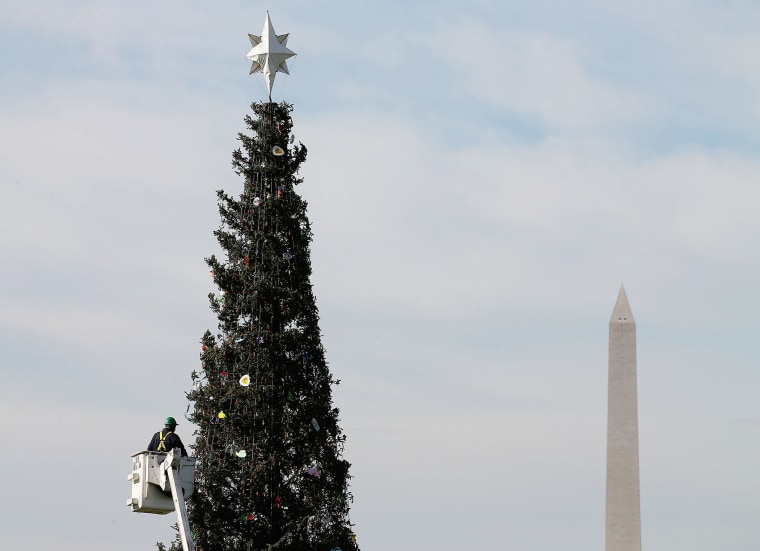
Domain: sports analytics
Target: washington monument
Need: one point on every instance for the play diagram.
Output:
(623, 523)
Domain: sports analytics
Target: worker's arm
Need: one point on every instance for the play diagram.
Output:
(177, 443)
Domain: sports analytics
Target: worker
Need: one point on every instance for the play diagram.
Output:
(165, 440)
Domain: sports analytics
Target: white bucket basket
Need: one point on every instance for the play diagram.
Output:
(150, 490)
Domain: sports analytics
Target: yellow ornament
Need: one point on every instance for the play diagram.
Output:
(221, 415)
(245, 380)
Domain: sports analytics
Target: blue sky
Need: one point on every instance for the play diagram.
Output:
(481, 179)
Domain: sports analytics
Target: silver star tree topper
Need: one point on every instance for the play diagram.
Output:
(269, 54)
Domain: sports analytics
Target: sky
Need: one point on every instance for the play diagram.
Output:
(482, 177)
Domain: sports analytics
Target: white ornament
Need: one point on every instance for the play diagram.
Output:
(269, 54)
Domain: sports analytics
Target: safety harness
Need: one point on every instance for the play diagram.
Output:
(162, 437)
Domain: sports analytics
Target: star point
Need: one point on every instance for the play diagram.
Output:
(269, 54)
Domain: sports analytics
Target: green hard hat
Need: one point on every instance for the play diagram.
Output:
(170, 421)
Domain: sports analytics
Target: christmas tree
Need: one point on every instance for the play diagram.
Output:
(270, 472)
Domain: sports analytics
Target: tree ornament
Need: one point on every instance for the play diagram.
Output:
(269, 54)
(245, 380)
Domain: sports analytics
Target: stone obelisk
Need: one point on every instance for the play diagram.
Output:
(623, 512)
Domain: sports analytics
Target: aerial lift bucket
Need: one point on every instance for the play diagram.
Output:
(161, 482)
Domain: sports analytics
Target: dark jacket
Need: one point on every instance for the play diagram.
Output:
(171, 440)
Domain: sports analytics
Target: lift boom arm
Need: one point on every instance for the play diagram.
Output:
(170, 470)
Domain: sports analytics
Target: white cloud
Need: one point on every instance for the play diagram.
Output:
(536, 74)
(473, 225)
